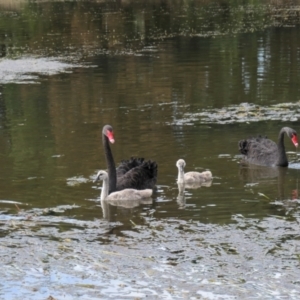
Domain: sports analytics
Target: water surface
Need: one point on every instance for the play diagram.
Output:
(175, 81)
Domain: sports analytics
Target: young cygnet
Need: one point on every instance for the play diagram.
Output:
(127, 194)
(190, 177)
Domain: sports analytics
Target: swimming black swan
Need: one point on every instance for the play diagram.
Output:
(126, 194)
(264, 152)
(135, 173)
(191, 177)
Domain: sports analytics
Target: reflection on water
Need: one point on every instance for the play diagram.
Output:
(181, 200)
(265, 175)
(109, 208)
(253, 173)
(277, 177)
(294, 165)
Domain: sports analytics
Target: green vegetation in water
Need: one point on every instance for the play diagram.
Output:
(243, 113)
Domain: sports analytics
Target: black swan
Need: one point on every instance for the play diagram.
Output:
(135, 173)
(126, 194)
(264, 152)
(191, 177)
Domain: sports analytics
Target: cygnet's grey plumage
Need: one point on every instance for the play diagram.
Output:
(126, 194)
(191, 177)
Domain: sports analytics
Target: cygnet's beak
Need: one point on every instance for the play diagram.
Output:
(97, 177)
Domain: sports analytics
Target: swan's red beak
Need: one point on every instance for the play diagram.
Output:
(295, 140)
(110, 136)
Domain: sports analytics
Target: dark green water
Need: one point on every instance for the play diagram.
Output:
(175, 80)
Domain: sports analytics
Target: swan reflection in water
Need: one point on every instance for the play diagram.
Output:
(181, 199)
(269, 175)
(254, 173)
(110, 207)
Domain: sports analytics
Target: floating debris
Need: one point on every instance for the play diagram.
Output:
(263, 195)
(76, 180)
(243, 113)
(28, 69)
(12, 202)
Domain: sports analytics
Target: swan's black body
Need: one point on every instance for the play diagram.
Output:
(134, 173)
(264, 152)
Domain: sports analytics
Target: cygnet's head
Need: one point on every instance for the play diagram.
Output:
(101, 175)
(180, 164)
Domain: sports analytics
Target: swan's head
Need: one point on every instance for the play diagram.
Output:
(180, 164)
(294, 137)
(108, 131)
(101, 175)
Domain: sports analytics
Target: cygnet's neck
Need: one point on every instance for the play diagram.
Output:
(180, 178)
(104, 191)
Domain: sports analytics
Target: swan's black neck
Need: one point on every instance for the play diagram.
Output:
(112, 174)
(282, 158)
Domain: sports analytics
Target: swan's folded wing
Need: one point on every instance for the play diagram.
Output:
(127, 165)
(141, 177)
(262, 151)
